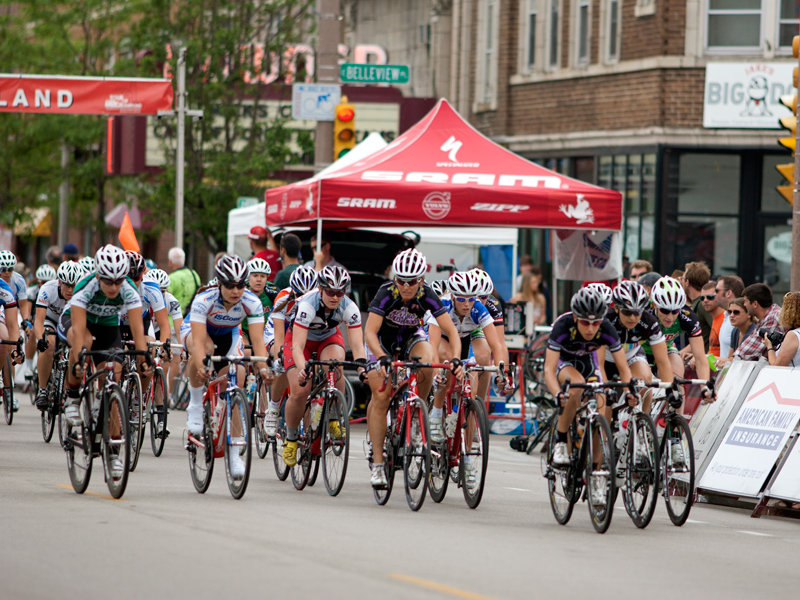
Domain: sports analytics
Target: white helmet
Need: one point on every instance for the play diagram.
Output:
(259, 265)
(87, 262)
(158, 276)
(111, 262)
(333, 277)
(302, 279)
(439, 287)
(463, 283)
(588, 303)
(409, 264)
(668, 293)
(45, 273)
(70, 272)
(7, 259)
(630, 295)
(603, 289)
(485, 282)
(231, 269)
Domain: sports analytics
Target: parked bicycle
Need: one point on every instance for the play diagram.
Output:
(8, 399)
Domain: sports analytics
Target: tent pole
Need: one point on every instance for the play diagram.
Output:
(319, 216)
(553, 280)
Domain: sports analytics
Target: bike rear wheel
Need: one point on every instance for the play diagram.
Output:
(240, 445)
(601, 505)
(158, 413)
(78, 447)
(561, 481)
(641, 475)
(281, 468)
(8, 399)
(335, 442)
(48, 415)
(132, 390)
(116, 442)
(201, 460)
(382, 495)
(302, 470)
(474, 452)
(677, 475)
(416, 455)
(259, 435)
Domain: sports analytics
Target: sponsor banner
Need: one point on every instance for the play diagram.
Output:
(588, 255)
(84, 95)
(757, 435)
(786, 485)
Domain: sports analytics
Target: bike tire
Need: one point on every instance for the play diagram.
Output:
(416, 456)
(301, 472)
(561, 481)
(201, 460)
(542, 434)
(389, 451)
(8, 401)
(78, 448)
(281, 468)
(641, 474)
(48, 424)
(238, 485)
(475, 424)
(115, 415)
(335, 444)
(132, 390)
(678, 480)
(600, 512)
(158, 413)
(440, 471)
(312, 477)
(33, 391)
(259, 435)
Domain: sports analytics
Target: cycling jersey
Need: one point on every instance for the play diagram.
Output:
(207, 308)
(569, 343)
(100, 309)
(7, 297)
(33, 291)
(18, 286)
(173, 310)
(267, 297)
(403, 320)
(471, 324)
(687, 322)
(322, 322)
(152, 302)
(287, 310)
(51, 301)
(495, 308)
(647, 329)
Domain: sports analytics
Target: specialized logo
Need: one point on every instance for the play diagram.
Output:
(451, 146)
(551, 182)
(436, 205)
(385, 203)
(493, 207)
(582, 212)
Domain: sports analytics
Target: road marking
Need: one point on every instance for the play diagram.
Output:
(758, 533)
(432, 585)
(697, 522)
(518, 489)
(95, 494)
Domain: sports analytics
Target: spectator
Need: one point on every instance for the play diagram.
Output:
(290, 258)
(53, 256)
(788, 353)
(727, 288)
(648, 279)
(639, 268)
(743, 325)
(183, 281)
(678, 274)
(758, 302)
(695, 277)
(263, 246)
(708, 298)
(531, 291)
(525, 266)
(322, 256)
(69, 252)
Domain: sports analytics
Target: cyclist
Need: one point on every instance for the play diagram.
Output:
(18, 287)
(91, 319)
(315, 329)
(214, 319)
(50, 302)
(571, 354)
(153, 304)
(301, 281)
(439, 287)
(9, 330)
(394, 328)
(260, 285)
(43, 274)
(495, 308)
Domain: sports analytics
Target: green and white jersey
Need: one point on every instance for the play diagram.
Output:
(100, 309)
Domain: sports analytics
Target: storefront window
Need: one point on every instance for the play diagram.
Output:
(777, 259)
(709, 184)
(714, 240)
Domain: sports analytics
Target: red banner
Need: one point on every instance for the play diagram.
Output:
(55, 94)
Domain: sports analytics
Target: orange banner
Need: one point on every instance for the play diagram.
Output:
(56, 94)
(127, 236)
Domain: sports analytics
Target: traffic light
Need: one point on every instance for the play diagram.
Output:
(790, 123)
(344, 129)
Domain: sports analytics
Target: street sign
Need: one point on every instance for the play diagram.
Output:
(315, 101)
(244, 201)
(353, 73)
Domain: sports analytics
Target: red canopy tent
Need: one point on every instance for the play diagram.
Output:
(444, 172)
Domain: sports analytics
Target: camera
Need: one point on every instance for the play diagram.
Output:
(776, 337)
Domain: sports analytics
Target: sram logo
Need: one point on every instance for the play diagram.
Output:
(493, 207)
(387, 203)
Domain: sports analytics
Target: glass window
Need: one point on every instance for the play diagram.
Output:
(714, 240)
(583, 31)
(771, 200)
(777, 259)
(788, 22)
(532, 14)
(734, 23)
(488, 52)
(604, 178)
(634, 181)
(709, 183)
(613, 30)
(649, 183)
(555, 24)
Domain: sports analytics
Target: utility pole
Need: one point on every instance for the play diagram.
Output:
(63, 196)
(327, 72)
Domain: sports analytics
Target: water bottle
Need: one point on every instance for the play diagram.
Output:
(251, 387)
(316, 412)
(218, 413)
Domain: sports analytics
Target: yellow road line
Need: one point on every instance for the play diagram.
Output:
(95, 494)
(432, 585)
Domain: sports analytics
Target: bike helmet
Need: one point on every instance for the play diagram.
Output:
(588, 303)
(111, 262)
(87, 262)
(231, 269)
(603, 289)
(150, 263)
(463, 283)
(302, 279)
(485, 282)
(630, 295)
(259, 265)
(159, 276)
(333, 277)
(70, 272)
(7, 259)
(409, 264)
(440, 287)
(668, 293)
(45, 273)
(137, 264)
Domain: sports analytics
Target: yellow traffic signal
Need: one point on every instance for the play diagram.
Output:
(787, 191)
(344, 129)
(790, 123)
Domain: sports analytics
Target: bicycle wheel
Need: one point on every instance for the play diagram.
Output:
(259, 435)
(281, 468)
(240, 444)
(116, 442)
(78, 447)
(600, 481)
(302, 470)
(132, 390)
(335, 442)
(179, 399)
(641, 475)
(546, 413)
(389, 454)
(34, 389)
(561, 481)
(201, 460)
(158, 413)
(440, 470)
(312, 477)
(474, 452)
(677, 464)
(48, 415)
(8, 399)
(416, 455)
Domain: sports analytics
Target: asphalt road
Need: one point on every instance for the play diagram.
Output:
(165, 540)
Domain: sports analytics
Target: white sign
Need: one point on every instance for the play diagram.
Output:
(787, 483)
(779, 247)
(757, 436)
(746, 95)
(315, 101)
(245, 201)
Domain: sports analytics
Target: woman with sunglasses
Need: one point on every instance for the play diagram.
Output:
(788, 352)
(214, 318)
(743, 325)
(9, 330)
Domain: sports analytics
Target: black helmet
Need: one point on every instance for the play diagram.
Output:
(588, 303)
(137, 264)
(231, 269)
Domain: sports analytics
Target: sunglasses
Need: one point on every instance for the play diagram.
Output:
(464, 298)
(333, 293)
(666, 311)
(630, 313)
(407, 282)
(709, 296)
(230, 286)
(734, 312)
(589, 322)
(108, 281)
(7, 269)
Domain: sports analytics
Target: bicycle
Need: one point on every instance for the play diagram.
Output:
(223, 400)
(103, 430)
(277, 441)
(8, 399)
(154, 402)
(257, 392)
(179, 396)
(55, 388)
(406, 445)
(567, 483)
(676, 461)
(464, 453)
(324, 432)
